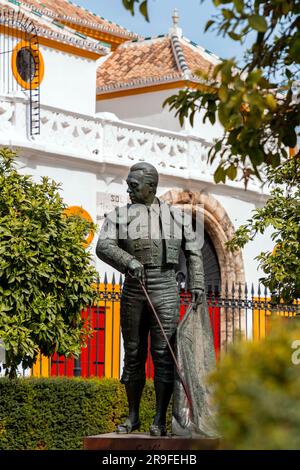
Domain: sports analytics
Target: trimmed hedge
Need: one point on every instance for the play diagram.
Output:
(56, 413)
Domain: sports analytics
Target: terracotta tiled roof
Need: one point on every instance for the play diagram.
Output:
(196, 60)
(137, 62)
(69, 11)
(153, 61)
(49, 29)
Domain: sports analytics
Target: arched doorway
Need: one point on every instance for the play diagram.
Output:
(218, 227)
(212, 272)
(212, 276)
(219, 262)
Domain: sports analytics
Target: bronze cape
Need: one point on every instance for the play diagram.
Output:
(196, 357)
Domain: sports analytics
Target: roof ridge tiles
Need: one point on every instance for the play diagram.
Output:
(140, 82)
(119, 30)
(52, 29)
(179, 56)
(141, 40)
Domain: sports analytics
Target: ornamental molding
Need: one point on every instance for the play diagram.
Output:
(106, 141)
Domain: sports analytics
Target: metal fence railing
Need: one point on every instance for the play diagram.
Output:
(235, 311)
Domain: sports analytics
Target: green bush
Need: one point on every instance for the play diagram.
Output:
(257, 391)
(46, 272)
(56, 413)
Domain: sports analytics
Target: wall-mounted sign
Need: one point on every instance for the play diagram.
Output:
(106, 202)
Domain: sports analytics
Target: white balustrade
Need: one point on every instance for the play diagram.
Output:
(106, 140)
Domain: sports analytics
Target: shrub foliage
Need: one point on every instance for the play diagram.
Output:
(257, 391)
(45, 272)
(56, 413)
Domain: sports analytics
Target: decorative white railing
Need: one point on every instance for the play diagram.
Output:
(107, 140)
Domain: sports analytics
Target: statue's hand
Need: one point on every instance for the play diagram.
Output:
(136, 269)
(197, 297)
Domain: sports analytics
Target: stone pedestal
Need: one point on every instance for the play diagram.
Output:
(143, 441)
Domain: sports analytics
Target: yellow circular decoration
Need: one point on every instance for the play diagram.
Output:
(37, 79)
(80, 212)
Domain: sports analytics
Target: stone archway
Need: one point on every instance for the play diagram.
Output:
(220, 229)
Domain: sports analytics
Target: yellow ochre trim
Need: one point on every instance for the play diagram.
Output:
(53, 44)
(69, 49)
(37, 79)
(261, 325)
(42, 367)
(114, 41)
(112, 333)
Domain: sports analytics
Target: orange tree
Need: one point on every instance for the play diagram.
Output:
(45, 272)
(281, 214)
(256, 101)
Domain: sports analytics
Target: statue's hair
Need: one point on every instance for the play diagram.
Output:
(148, 171)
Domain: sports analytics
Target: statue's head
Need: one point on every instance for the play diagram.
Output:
(142, 183)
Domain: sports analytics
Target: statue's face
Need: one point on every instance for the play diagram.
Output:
(140, 188)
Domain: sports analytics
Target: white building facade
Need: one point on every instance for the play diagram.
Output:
(100, 107)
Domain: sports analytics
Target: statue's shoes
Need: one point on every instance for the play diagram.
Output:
(127, 427)
(158, 430)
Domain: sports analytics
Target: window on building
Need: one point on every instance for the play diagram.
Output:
(25, 64)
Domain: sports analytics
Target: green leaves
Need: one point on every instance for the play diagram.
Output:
(220, 175)
(222, 172)
(259, 108)
(281, 215)
(256, 104)
(239, 5)
(223, 93)
(208, 25)
(144, 10)
(143, 7)
(256, 388)
(234, 36)
(253, 116)
(232, 172)
(188, 102)
(258, 23)
(42, 260)
(129, 5)
(295, 48)
(54, 413)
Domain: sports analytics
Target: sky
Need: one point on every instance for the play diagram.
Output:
(193, 17)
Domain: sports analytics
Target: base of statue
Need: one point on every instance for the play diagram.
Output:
(143, 441)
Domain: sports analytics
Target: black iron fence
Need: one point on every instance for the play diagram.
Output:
(235, 311)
